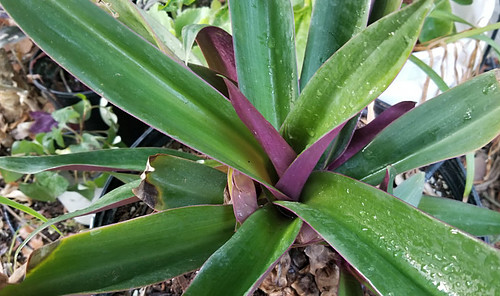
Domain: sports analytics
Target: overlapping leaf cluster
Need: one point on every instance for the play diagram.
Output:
(271, 130)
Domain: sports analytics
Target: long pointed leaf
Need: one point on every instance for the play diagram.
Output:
(456, 122)
(381, 8)
(236, 267)
(296, 175)
(217, 47)
(278, 150)
(384, 238)
(8, 202)
(118, 197)
(265, 55)
(129, 14)
(156, 247)
(411, 189)
(100, 160)
(364, 135)
(137, 77)
(472, 219)
(354, 76)
(333, 23)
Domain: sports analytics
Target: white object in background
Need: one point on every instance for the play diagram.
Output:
(74, 201)
(452, 63)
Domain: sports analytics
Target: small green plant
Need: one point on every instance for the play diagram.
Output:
(298, 170)
(62, 132)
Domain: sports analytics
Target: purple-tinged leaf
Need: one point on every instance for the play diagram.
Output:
(385, 183)
(296, 175)
(243, 195)
(278, 194)
(44, 122)
(278, 150)
(364, 135)
(217, 48)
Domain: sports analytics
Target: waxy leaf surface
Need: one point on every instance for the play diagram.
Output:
(99, 160)
(364, 135)
(135, 253)
(237, 267)
(265, 55)
(472, 219)
(137, 77)
(333, 23)
(384, 238)
(354, 76)
(456, 122)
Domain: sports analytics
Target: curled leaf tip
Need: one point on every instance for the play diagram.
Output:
(147, 193)
(41, 254)
(243, 195)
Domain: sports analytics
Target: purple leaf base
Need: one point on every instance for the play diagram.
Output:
(292, 182)
(278, 150)
(366, 134)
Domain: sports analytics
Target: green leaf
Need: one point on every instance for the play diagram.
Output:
(384, 238)
(456, 122)
(265, 55)
(437, 27)
(155, 248)
(302, 16)
(65, 115)
(172, 182)
(190, 16)
(449, 16)
(137, 77)
(441, 84)
(127, 159)
(189, 33)
(411, 189)
(382, 8)
(88, 142)
(354, 76)
(463, 2)
(472, 219)
(339, 144)
(348, 285)
(27, 210)
(9, 176)
(333, 23)
(131, 16)
(26, 147)
(83, 108)
(47, 186)
(489, 41)
(469, 180)
(235, 269)
(111, 199)
(471, 32)
(162, 26)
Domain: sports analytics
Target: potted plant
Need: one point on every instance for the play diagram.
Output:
(264, 141)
